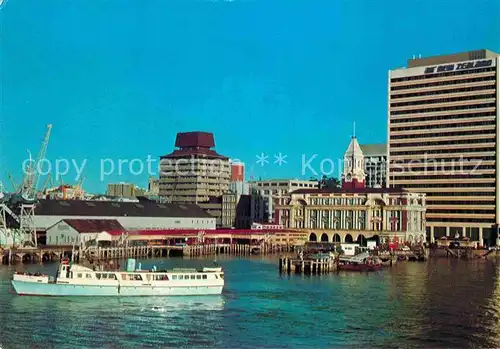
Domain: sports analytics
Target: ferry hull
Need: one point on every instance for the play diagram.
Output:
(53, 289)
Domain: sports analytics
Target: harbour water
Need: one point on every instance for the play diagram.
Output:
(434, 304)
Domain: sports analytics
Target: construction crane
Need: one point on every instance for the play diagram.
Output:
(14, 185)
(79, 192)
(23, 200)
(32, 175)
(47, 184)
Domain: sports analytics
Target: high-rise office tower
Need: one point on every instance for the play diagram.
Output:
(443, 140)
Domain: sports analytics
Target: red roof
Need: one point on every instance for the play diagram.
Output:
(195, 139)
(197, 144)
(115, 232)
(189, 232)
(197, 153)
(94, 225)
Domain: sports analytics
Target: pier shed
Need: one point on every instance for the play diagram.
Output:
(76, 231)
(131, 215)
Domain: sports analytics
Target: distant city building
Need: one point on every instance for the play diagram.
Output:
(237, 185)
(355, 213)
(153, 186)
(64, 192)
(239, 188)
(125, 190)
(222, 208)
(194, 172)
(266, 193)
(375, 158)
(443, 141)
(228, 214)
(237, 172)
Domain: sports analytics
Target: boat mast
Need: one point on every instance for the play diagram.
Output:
(73, 253)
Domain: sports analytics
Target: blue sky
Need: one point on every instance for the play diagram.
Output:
(118, 79)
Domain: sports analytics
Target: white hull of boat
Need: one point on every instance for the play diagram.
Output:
(78, 280)
(54, 289)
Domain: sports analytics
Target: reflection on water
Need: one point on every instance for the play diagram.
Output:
(440, 303)
(122, 305)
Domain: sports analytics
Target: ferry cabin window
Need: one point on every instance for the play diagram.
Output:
(193, 277)
(162, 277)
(134, 277)
(180, 277)
(88, 276)
(198, 277)
(79, 275)
(204, 277)
(174, 277)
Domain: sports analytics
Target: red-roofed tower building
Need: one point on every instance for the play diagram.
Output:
(194, 172)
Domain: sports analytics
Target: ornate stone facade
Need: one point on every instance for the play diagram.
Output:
(335, 214)
(355, 212)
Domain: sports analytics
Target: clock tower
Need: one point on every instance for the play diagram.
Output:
(354, 166)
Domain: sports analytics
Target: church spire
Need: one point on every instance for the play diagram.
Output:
(354, 172)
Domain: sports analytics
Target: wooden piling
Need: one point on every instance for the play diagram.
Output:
(307, 266)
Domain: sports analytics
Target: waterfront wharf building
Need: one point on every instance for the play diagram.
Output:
(143, 214)
(354, 212)
(375, 164)
(78, 231)
(443, 141)
(195, 172)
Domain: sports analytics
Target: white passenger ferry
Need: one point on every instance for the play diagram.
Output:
(78, 280)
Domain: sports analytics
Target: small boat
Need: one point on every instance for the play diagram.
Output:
(78, 280)
(255, 250)
(361, 262)
(388, 261)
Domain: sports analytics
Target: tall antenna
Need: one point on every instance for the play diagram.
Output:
(252, 173)
(354, 129)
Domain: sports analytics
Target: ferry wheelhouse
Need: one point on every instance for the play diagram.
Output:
(79, 280)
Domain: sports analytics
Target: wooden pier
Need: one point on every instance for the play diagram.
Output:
(307, 266)
(53, 253)
(189, 250)
(33, 254)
